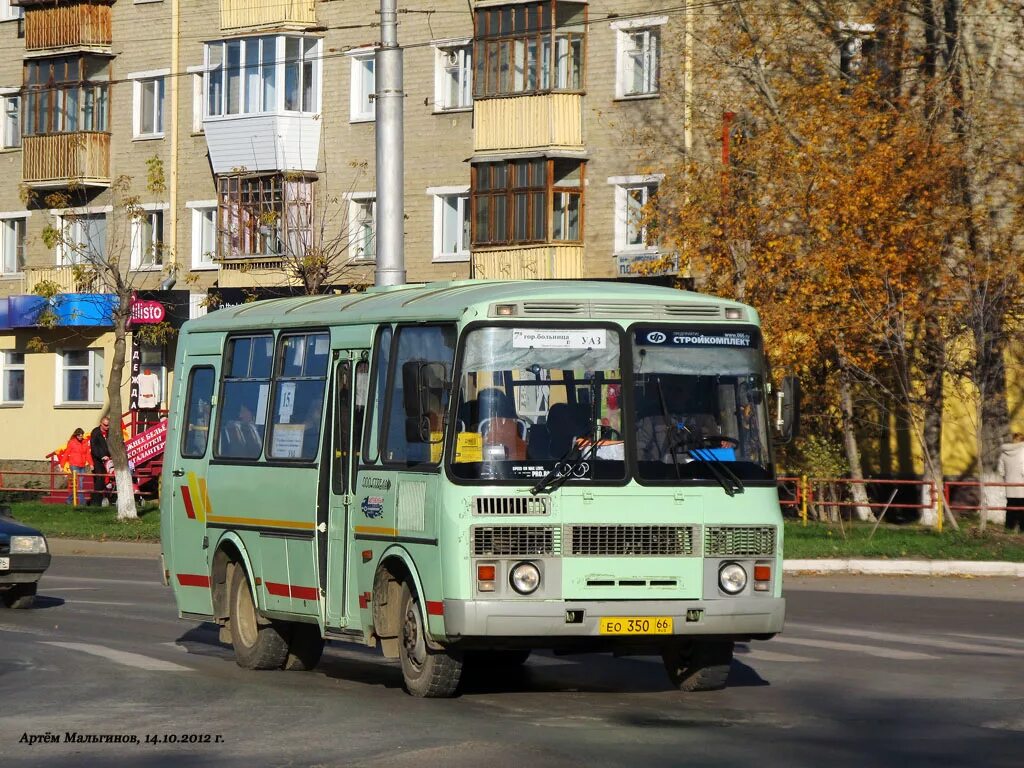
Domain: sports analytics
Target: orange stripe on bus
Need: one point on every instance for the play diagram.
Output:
(258, 521)
(376, 530)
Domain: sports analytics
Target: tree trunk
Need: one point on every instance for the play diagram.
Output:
(933, 367)
(860, 495)
(118, 455)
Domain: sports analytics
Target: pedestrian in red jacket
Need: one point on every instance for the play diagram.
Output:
(78, 457)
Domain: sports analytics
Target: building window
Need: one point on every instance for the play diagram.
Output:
(10, 12)
(10, 136)
(148, 120)
(362, 217)
(638, 45)
(634, 225)
(204, 235)
(12, 378)
(529, 48)
(12, 245)
(454, 78)
(364, 86)
(84, 239)
(273, 73)
(267, 215)
(451, 223)
(148, 240)
(514, 201)
(81, 376)
(66, 94)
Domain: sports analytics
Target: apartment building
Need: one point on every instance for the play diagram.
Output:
(519, 118)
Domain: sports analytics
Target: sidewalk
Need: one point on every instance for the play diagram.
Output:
(65, 547)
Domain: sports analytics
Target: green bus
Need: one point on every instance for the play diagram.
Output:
(463, 472)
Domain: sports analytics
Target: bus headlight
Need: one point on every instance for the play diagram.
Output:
(525, 578)
(732, 578)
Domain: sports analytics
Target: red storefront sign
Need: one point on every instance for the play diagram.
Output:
(147, 312)
(146, 445)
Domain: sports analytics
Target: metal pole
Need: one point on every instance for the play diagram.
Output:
(390, 151)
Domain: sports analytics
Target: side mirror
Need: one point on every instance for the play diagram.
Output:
(423, 388)
(787, 409)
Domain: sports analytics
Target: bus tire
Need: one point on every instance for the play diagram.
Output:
(699, 665)
(305, 647)
(427, 673)
(258, 642)
(20, 595)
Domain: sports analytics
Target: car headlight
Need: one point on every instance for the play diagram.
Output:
(28, 545)
(525, 578)
(732, 578)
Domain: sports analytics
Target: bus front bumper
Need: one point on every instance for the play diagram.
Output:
(736, 617)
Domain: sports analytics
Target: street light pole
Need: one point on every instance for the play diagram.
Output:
(390, 163)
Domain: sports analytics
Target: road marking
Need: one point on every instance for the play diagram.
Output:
(98, 602)
(77, 589)
(123, 657)
(990, 638)
(22, 630)
(785, 658)
(934, 642)
(869, 650)
(147, 583)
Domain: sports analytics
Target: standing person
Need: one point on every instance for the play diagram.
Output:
(79, 459)
(1011, 467)
(100, 455)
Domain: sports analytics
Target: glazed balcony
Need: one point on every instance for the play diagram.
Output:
(247, 14)
(76, 25)
(65, 159)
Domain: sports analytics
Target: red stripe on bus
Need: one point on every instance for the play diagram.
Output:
(289, 590)
(193, 580)
(280, 590)
(305, 593)
(187, 498)
(364, 600)
(435, 608)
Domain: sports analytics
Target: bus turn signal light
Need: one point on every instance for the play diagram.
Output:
(485, 575)
(762, 573)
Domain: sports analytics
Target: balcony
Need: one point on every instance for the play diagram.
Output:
(66, 279)
(529, 262)
(542, 121)
(263, 143)
(66, 26)
(247, 14)
(63, 159)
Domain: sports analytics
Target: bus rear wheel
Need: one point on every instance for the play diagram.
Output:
(427, 673)
(258, 642)
(698, 665)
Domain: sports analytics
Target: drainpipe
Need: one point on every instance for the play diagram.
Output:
(390, 164)
(171, 230)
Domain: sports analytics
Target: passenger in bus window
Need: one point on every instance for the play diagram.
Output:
(242, 437)
(311, 423)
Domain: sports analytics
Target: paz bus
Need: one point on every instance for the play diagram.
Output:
(461, 473)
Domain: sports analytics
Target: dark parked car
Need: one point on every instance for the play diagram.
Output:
(23, 558)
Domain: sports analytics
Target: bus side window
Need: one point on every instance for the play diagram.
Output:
(361, 392)
(196, 434)
(342, 443)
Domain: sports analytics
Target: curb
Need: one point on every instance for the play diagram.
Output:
(906, 567)
(151, 550)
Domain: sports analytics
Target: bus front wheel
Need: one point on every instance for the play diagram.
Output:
(428, 673)
(698, 665)
(258, 642)
(305, 647)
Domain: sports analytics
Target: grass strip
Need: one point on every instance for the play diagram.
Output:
(95, 523)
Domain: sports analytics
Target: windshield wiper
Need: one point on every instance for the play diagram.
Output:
(552, 481)
(719, 469)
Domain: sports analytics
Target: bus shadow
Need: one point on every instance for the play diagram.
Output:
(47, 601)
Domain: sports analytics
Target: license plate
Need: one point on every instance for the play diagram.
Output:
(5, 563)
(636, 625)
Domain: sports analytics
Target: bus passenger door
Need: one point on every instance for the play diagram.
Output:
(350, 386)
(185, 466)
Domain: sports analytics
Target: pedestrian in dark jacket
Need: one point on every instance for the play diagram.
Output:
(100, 457)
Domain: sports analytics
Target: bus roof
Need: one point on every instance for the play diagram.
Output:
(471, 299)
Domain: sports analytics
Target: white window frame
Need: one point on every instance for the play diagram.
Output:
(7, 139)
(198, 73)
(357, 202)
(5, 368)
(362, 106)
(10, 12)
(623, 65)
(622, 186)
(61, 256)
(202, 260)
(443, 65)
(140, 250)
(96, 377)
(440, 194)
(158, 78)
(5, 259)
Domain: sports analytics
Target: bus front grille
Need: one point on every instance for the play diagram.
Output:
(511, 505)
(648, 540)
(739, 541)
(516, 540)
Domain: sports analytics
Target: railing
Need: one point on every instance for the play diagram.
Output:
(553, 120)
(258, 13)
(529, 262)
(64, 26)
(64, 157)
(956, 503)
(63, 277)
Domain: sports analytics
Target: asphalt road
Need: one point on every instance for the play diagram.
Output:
(870, 672)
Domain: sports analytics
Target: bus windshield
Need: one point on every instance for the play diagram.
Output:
(536, 400)
(700, 404)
